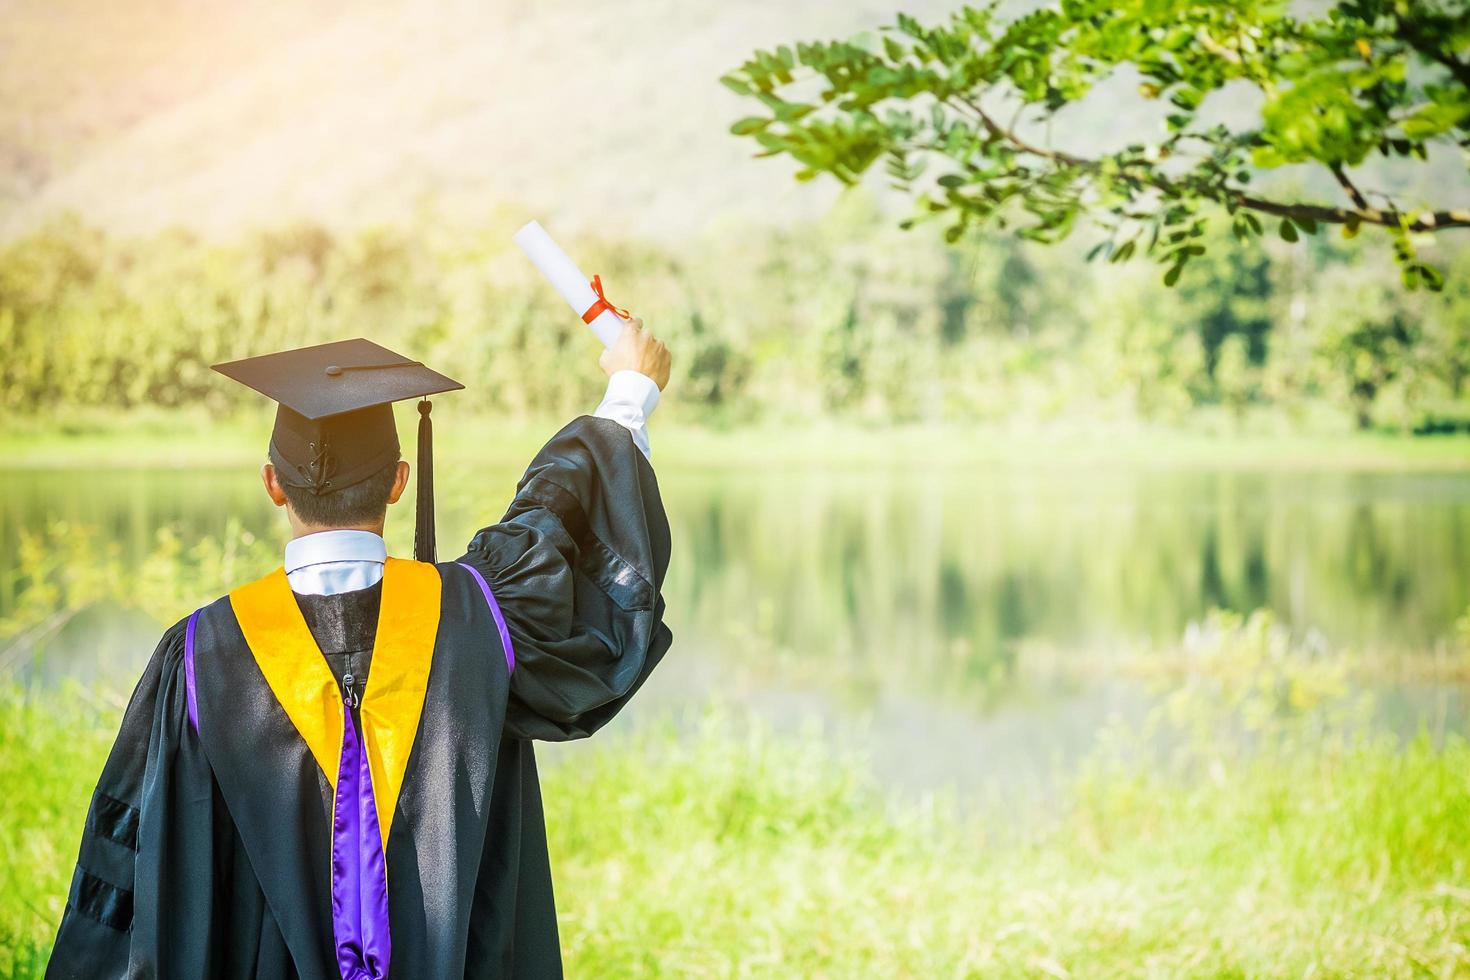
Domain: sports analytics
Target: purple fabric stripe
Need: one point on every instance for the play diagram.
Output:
(510, 651)
(193, 701)
(359, 871)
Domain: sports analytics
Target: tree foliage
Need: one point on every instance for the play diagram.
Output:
(960, 114)
(848, 317)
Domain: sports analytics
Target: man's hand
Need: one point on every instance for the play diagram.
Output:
(638, 350)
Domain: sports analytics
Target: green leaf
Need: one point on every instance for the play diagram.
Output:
(749, 125)
(1187, 98)
(792, 111)
(736, 85)
(1172, 276)
(951, 181)
(1288, 230)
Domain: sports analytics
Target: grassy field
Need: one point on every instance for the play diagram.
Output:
(771, 858)
(731, 852)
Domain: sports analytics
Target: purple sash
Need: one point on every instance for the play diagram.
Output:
(359, 871)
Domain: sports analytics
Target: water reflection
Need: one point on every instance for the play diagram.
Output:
(859, 585)
(935, 581)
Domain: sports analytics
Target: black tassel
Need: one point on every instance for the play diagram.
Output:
(423, 533)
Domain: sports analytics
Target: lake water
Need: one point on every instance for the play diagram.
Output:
(960, 623)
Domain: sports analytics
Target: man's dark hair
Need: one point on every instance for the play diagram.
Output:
(361, 503)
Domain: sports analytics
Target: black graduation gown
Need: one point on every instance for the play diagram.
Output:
(207, 852)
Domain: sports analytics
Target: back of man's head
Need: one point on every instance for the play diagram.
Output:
(362, 503)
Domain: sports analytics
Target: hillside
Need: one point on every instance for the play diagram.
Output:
(140, 114)
(222, 116)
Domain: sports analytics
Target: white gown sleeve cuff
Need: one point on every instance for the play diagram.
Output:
(630, 399)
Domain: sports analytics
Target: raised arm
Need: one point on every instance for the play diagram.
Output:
(577, 565)
(637, 369)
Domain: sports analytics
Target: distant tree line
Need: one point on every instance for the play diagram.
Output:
(847, 317)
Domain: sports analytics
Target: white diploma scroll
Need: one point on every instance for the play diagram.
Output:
(568, 280)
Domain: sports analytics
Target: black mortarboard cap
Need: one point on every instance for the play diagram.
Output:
(334, 422)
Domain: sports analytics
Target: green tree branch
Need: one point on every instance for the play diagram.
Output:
(1366, 77)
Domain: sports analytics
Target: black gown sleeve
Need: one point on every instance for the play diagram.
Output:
(153, 893)
(95, 935)
(577, 564)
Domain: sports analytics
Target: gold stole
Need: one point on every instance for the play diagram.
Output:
(398, 678)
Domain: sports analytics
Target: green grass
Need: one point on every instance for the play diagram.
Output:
(51, 752)
(728, 851)
(158, 438)
(737, 856)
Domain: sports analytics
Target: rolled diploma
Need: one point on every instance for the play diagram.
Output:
(568, 280)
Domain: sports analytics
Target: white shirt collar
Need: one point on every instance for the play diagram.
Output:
(340, 545)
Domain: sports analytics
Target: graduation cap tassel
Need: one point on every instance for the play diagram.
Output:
(423, 535)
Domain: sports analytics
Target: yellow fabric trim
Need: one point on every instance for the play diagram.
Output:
(293, 665)
(398, 680)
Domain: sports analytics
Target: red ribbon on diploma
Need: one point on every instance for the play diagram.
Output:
(595, 310)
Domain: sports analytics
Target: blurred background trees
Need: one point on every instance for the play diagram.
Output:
(848, 317)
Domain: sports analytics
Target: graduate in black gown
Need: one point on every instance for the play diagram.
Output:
(343, 785)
